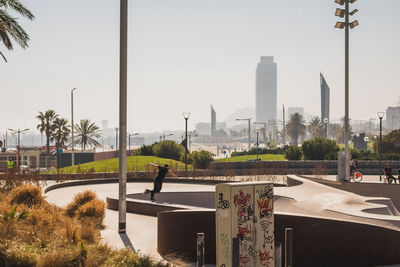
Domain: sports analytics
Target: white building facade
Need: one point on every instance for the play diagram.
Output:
(266, 90)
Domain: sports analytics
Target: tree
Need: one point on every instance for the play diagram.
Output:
(390, 143)
(295, 127)
(319, 148)
(168, 149)
(316, 127)
(86, 133)
(46, 125)
(10, 28)
(61, 132)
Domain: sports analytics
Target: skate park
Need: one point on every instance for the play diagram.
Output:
(331, 225)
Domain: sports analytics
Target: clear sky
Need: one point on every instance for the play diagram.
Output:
(187, 54)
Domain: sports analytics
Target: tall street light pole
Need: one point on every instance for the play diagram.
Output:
(18, 133)
(284, 126)
(249, 129)
(72, 128)
(346, 25)
(186, 116)
(123, 60)
(380, 116)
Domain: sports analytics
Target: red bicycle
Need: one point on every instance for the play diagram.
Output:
(355, 176)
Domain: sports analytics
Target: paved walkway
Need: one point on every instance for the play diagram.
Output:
(141, 230)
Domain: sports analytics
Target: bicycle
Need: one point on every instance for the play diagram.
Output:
(355, 176)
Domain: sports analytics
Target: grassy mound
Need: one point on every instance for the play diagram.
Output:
(263, 157)
(35, 233)
(134, 163)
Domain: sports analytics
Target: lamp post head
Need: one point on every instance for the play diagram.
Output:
(326, 120)
(381, 114)
(186, 115)
(366, 139)
(73, 89)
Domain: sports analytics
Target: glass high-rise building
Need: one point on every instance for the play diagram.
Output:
(325, 93)
(213, 121)
(266, 90)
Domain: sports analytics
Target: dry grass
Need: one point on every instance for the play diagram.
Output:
(35, 233)
(28, 195)
(79, 200)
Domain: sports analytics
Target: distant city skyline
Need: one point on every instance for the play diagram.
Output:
(183, 52)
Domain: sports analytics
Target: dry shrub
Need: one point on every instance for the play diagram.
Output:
(28, 195)
(79, 200)
(89, 233)
(319, 171)
(93, 211)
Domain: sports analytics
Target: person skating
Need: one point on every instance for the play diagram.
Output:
(158, 181)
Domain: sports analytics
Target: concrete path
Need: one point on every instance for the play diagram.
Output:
(141, 230)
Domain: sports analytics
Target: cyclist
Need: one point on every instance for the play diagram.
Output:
(352, 166)
(388, 173)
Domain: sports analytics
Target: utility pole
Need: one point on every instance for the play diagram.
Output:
(123, 61)
(72, 128)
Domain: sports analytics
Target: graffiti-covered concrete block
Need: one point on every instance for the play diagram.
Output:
(245, 211)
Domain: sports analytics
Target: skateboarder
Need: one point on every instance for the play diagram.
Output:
(162, 172)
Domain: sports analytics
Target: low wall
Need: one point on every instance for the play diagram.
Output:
(316, 241)
(305, 167)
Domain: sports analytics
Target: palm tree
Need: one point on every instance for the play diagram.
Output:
(340, 132)
(61, 132)
(295, 127)
(86, 132)
(46, 125)
(316, 127)
(10, 28)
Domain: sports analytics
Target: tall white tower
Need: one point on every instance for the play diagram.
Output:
(266, 90)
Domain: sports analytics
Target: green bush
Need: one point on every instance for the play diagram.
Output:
(168, 149)
(390, 143)
(319, 148)
(293, 153)
(201, 159)
(146, 150)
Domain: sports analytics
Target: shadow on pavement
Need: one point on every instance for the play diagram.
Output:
(127, 242)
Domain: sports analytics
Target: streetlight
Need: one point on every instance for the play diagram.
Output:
(129, 139)
(123, 79)
(249, 119)
(380, 116)
(326, 120)
(257, 130)
(186, 116)
(264, 129)
(346, 25)
(166, 135)
(366, 139)
(18, 133)
(72, 128)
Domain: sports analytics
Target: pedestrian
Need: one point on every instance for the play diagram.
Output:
(388, 173)
(158, 181)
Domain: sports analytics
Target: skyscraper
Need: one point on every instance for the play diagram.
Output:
(266, 90)
(213, 121)
(325, 92)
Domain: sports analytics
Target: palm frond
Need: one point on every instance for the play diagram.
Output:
(10, 26)
(17, 7)
(1, 54)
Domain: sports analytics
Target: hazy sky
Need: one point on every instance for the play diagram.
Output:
(187, 54)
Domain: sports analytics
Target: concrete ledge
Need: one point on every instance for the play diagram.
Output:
(316, 241)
